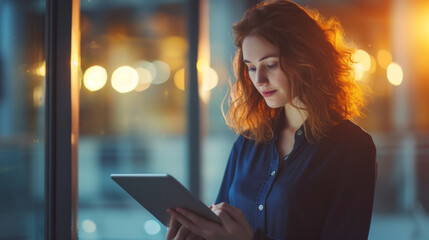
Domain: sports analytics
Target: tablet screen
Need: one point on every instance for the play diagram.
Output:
(158, 192)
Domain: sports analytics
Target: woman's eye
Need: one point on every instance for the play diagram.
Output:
(251, 69)
(272, 65)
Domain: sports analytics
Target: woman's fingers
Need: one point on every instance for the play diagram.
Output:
(198, 221)
(233, 220)
(225, 218)
(185, 221)
(176, 231)
(182, 234)
(193, 236)
(173, 228)
(235, 213)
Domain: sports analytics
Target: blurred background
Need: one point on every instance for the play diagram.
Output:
(133, 107)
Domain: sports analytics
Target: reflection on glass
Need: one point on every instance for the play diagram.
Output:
(140, 44)
(22, 90)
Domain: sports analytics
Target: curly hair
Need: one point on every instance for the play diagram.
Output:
(316, 62)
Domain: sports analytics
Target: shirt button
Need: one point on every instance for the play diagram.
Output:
(273, 173)
(261, 207)
(299, 132)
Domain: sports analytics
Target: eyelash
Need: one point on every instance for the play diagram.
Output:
(268, 66)
(251, 69)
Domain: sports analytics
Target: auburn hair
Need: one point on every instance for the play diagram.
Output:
(316, 62)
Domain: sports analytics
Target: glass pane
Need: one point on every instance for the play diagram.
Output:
(22, 89)
(217, 137)
(132, 112)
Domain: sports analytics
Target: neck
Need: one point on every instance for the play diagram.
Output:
(295, 117)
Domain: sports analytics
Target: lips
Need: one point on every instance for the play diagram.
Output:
(268, 93)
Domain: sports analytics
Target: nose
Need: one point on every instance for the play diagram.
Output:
(260, 77)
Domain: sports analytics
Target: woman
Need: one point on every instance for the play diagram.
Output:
(300, 169)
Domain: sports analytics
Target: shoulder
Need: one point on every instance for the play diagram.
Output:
(243, 141)
(348, 132)
(239, 142)
(357, 144)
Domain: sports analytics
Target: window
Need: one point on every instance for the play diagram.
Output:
(22, 141)
(133, 120)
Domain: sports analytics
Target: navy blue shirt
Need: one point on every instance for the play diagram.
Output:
(321, 191)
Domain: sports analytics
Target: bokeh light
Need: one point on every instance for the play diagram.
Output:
(373, 65)
(202, 63)
(395, 74)
(173, 51)
(179, 79)
(208, 78)
(363, 58)
(163, 72)
(41, 70)
(95, 78)
(39, 96)
(358, 70)
(384, 58)
(151, 227)
(89, 226)
(145, 79)
(148, 66)
(422, 23)
(125, 79)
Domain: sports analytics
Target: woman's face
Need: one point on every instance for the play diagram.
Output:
(263, 63)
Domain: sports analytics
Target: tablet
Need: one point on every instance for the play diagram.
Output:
(158, 192)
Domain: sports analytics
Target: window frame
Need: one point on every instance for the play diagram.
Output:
(60, 158)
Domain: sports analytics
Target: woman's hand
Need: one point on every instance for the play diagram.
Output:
(176, 231)
(234, 224)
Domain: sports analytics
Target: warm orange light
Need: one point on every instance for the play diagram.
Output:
(208, 79)
(179, 79)
(173, 51)
(95, 78)
(395, 74)
(38, 96)
(358, 70)
(373, 65)
(363, 58)
(125, 79)
(202, 63)
(423, 23)
(384, 58)
(41, 70)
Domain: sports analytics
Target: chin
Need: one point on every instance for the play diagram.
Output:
(274, 105)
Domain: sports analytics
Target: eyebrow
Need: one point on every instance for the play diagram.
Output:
(261, 59)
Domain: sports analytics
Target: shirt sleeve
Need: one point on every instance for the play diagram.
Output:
(349, 216)
(223, 195)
